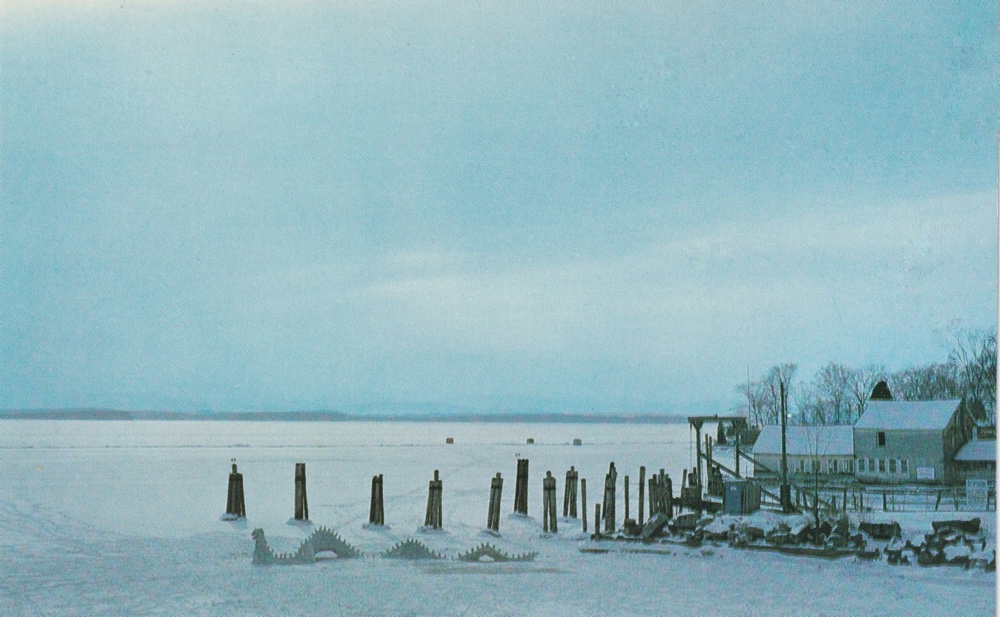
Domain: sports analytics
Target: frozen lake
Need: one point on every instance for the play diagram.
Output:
(122, 518)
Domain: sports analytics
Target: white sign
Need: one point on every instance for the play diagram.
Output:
(925, 473)
(976, 493)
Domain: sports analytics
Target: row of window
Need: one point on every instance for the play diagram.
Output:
(832, 465)
(883, 465)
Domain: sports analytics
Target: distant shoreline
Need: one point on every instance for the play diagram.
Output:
(333, 416)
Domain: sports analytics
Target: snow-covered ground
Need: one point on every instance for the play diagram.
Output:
(122, 518)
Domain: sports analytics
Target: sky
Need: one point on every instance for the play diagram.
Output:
(600, 207)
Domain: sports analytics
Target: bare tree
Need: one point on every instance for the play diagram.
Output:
(974, 358)
(862, 381)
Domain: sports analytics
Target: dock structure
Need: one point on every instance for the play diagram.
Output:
(696, 422)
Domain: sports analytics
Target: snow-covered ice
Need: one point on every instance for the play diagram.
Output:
(123, 518)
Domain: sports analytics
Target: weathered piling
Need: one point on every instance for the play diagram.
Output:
(626, 499)
(583, 502)
(642, 487)
(235, 505)
(597, 519)
(609, 499)
(376, 513)
(569, 492)
(521, 487)
(433, 517)
(549, 523)
(301, 503)
(493, 517)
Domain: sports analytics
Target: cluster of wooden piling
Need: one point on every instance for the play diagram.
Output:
(549, 522)
(376, 514)
(661, 495)
(521, 487)
(493, 516)
(301, 504)
(235, 504)
(610, 494)
(569, 492)
(433, 517)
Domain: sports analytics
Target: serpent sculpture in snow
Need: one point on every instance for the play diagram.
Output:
(321, 540)
(492, 553)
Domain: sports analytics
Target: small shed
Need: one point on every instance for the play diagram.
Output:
(977, 459)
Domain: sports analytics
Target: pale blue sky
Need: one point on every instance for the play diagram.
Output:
(578, 206)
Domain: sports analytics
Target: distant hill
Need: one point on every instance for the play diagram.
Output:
(335, 416)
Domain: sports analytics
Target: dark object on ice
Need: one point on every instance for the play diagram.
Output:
(694, 538)
(411, 549)
(881, 531)
(881, 392)
(971, 526)
(992, 565)
(301, 504)
(376, 512)
(235, 506)
(654, 526)
(432, 518)
(493, 514)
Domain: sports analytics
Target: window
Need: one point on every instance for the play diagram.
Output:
(881, 439)
(892, 465)
(833, 465)
(904, 466)
(849, 466)
(800, 466)
(881, 465)
(861, 465)
(815, 465)
(871, 465)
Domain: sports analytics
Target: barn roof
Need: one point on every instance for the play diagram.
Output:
(918, 415)
(807, 440)
(978, 450)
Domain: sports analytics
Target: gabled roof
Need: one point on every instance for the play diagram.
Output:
(807, 440)
(978, 450)
(918, 415)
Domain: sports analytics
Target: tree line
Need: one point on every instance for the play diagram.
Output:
(839, 394)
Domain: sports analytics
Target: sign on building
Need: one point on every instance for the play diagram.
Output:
(976, 493)
(925, 473)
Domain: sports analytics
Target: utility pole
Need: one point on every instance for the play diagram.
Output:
(786, 491)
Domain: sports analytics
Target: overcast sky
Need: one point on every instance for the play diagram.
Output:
(554, 206)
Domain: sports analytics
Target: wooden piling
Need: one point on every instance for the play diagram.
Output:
(521, 487)
(376, 512)
(569, 492)
(642, 488)
(301, 503)
(597, 519)
(549, 522)
(583, 502)
(235, 504)
(493, 517)
(433, 517)
(626, 499)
